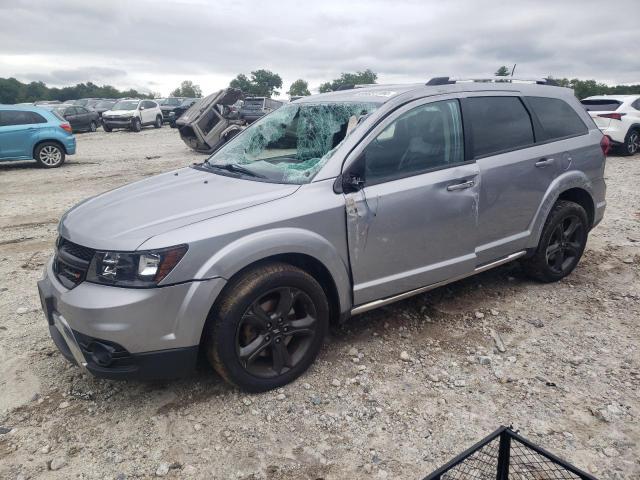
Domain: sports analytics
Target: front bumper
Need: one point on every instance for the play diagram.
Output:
(118, 122)
(145, 333)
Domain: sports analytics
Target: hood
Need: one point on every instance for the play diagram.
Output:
(119, 113)
(124, 218)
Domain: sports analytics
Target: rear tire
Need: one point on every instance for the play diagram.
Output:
(136, 126)
(49, 155)
(561, 245)
(268, 327)
(158, 123)
(631, 144)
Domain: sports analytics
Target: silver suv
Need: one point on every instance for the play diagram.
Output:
(326, 208)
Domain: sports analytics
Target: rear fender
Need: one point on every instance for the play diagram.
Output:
(566, 181)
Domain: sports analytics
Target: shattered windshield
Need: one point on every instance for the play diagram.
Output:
(291, 144)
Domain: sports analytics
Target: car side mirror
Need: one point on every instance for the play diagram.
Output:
(352, 180)
(141, 108)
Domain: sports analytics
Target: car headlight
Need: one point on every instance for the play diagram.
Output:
(134, 269)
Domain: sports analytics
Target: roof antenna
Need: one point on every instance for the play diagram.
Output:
(513, 69)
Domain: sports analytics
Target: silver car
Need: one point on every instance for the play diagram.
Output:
(326, 208)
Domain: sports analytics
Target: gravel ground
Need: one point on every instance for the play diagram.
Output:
(395, 392)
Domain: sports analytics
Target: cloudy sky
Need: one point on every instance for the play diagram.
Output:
(155, 44)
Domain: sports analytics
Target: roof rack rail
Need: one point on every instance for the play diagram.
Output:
(448, 80)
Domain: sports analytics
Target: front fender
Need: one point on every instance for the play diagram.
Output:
(232, 258)
(564, 182)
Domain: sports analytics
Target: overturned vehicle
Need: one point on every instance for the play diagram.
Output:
(211, 121)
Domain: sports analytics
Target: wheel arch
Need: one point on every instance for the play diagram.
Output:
(48, 140)
(301, 248)
(573, 186)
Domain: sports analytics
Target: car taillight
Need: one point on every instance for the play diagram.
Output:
(605, 145)
(614, 116)
(66, 127)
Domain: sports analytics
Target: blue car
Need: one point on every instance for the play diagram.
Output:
(32, 133)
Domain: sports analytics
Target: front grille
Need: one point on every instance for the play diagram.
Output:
(71, 262)
(78, 251)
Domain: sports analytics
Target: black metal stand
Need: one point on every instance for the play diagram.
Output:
(503, 455)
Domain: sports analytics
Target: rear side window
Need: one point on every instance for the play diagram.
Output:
(557, 117)
(498, 124)
(603, 105)
(16, 117)
(636, 104)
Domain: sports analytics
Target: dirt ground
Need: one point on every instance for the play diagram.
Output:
(395, 392)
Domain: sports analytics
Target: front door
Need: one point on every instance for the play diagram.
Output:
(414, 222)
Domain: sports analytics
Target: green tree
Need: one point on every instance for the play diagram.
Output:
(503, 71)
(299, 88)
(187, 89)
(263, 83)
(357, 78)
(241, 82)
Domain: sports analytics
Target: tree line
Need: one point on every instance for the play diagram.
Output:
(14, 91)
(261, 82)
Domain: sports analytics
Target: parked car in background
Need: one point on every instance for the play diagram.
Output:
(86, 102)
(132, 114)
(211, 121)
(331, 206)
(41, 103)
(256, 107)
(618, 117)
(34, 133)
(168, 105)
(81, 119)
(179, 110)
(102, 106)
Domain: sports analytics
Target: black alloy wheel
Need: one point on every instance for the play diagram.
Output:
(565, 244)
(276, 332)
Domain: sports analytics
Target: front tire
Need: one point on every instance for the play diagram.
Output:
(93, 127)
(49, 155)
(158, 122)
(136, 125)
(631, 144)
(106, 128)
(268, 327)
(563, 240)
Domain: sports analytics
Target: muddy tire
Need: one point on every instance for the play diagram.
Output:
(136, 125)
(561, 245)
(268, 327)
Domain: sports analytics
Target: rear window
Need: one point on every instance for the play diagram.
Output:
(558, 119)
(498, 124)
(602, 105)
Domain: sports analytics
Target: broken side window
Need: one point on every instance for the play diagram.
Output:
(291, 144)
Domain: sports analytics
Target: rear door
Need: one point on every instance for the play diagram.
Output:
(71, 116)
(83, 118)
(18, 130)
(414, 221)
(518, 161)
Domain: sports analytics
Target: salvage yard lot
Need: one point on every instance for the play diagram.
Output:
(395, 392)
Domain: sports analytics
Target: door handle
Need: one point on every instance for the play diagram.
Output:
(461, 186)
(544, 162)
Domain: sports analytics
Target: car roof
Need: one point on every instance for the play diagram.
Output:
(26, 108)
(383, 93)
(620, 98)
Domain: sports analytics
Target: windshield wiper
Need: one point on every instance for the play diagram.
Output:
(235, 168)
